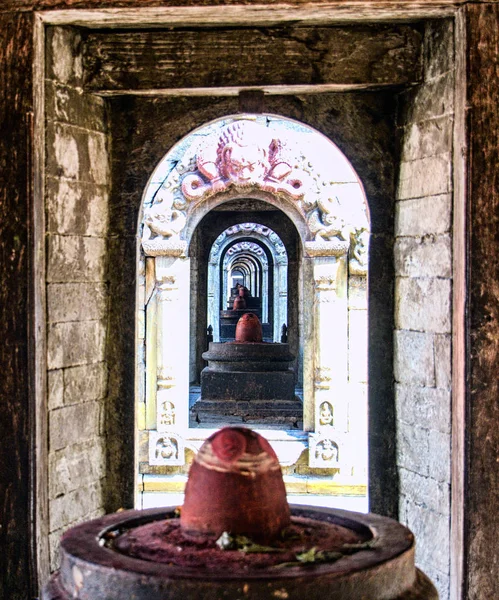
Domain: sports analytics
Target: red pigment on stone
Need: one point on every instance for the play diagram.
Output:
(165, 542)
(235, 485)
(249, 329)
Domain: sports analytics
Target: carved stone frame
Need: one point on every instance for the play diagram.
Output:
(332, 223)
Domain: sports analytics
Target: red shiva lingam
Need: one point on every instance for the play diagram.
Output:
(237, 538)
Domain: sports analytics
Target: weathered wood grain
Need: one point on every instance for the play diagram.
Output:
(320, 11)
(459, 341)
(16, 483)
(482, 485)
(210, 58)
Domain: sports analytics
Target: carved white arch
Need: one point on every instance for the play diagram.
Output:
(302, 173)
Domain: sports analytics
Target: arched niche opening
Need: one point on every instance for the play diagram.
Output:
(269, 170)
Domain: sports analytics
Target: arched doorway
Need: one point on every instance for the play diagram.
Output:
(246, 165)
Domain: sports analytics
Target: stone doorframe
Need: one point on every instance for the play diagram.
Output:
(281, 162)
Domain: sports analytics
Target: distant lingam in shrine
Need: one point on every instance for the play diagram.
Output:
(248, 379)
(240, 302)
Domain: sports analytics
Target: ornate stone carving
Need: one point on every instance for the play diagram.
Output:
(359, 252)
(323, 377)
(165, 449)
(246, 247)
(326, 414)
(246, 155)
(323, 452)
(329, 228)
(167, 414)
(163, 224)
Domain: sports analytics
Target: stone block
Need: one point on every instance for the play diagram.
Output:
(438, 47)
(76, 302)
(66, 104)
(357, 346)
(55, 389)
(428, 256)
(443, 365)
(423, 216)
(75, 424)
(64, 56)
(357, 292)
(432, 531)
(425, 492)
(413, 449)
(54, 557)
(425, 177)
(85, 383)
(414, 358)
(76, 154)
(98, 158)
(71, 344)
(432, 99)
(427, 138)
(440, 580)
(76, 207)
(440, 446)
(423, 304)
(75, 259)
(425, 407)
(75, 466)
(75, 506)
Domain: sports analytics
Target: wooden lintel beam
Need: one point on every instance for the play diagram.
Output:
(274, 60)
(233, 14)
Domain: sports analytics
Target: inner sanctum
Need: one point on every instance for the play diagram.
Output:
(261, 219)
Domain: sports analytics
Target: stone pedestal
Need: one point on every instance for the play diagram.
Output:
(382, 568)
(249, 379)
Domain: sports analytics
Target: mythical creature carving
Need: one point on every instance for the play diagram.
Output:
(329, 228)
(359, 252)
(163, 223)
(246, 155)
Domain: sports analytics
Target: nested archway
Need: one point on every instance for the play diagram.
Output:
(275, 162)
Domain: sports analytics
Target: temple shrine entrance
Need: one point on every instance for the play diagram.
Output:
(270, 206)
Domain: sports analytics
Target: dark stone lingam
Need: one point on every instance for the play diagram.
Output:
(237, 538)
(248, 378)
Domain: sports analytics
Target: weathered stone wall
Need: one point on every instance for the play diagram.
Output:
(76, 192)
(423, 287)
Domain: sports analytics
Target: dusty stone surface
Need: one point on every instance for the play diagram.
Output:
(427, 138)
(423, 216)
(425, 491)
(424, 407)
(75, 258)
(76, 208)
(423, 304)
(74, 424)
(75, 343)
(76, 302)
(423, 261)
(427, 176)
(75, 505)
(443, 370)
(426, 256)
(413, 448)
(414, 358)
(77, 465)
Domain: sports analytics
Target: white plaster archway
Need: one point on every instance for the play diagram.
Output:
(302, 173)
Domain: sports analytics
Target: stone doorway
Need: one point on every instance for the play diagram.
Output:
(291, 178)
